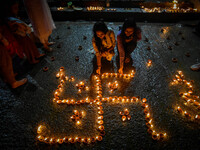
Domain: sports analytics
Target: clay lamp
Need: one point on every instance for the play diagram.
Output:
(88, 140)
(100, 122)
(100, 117)
(52, 141)
(73, 117)
(123, 118)
(102, 133)
(179, 109)
(146, 111)
(77, 58)
(101, 127)
(149, 63)
(169, 47)
(93, 140)
(61, 69)
(144, 100)
(52, 58)
(60, 141)
(99, 138)
(197, 117)
(187, 54)
(45, 69)
(148, 48)
(174, 60)
(80, 48)
(65, 139)
(155, 136)
(186, 114)
(72, 78)
(100, 112)
(46, 140)
(40, 138)
(144, 105)
(129, 117)
(126, 112)
(150, 131)
(147, 117)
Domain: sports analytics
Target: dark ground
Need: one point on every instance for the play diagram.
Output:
(23, 109)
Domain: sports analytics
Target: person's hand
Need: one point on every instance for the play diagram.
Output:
(98, 71)
(120, 70)
(5, 42)
(103, 54)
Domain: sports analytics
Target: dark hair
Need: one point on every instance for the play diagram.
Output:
(128, 23)
(99, 26)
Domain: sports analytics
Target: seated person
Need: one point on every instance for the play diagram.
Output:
(103, 43)
(127, 41)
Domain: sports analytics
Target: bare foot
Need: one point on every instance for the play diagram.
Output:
(19, 83)
(35, 62)
(41, 55)
(50, 43)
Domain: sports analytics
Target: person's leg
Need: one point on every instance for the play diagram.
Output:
(129, 48)
(6, 69)
(29, 48)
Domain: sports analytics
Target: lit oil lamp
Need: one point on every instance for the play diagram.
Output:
(52, 141)
(58, 75)
(149, 63)
(99, 138)
(40, 138)
(126, 112)
(123, 118)
(128, 117)
(60, 141)
(101, 127)
(179, 109)
(78, 122)
(100, 122)
(144, 100)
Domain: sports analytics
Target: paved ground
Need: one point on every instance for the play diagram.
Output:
(23, 109)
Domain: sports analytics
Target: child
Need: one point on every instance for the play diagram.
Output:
(103, 42)
(127, 41)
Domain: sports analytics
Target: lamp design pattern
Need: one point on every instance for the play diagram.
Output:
(97, 102)
(189, 97)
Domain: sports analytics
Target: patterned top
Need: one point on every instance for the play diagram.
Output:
(108, 41)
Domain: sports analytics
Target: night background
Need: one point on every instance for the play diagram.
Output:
(170, 39)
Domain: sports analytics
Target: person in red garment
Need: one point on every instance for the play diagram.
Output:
(127, 41)
(21, 32)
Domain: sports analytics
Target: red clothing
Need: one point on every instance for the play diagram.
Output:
(13, 47)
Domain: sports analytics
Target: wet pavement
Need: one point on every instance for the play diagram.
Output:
(24, 109)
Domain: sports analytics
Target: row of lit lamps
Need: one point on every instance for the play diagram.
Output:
(189, 97)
